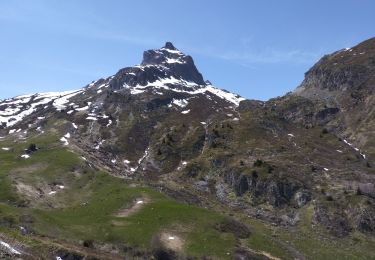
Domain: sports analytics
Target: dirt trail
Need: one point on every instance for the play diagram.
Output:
(293, 251)
(87, 252)
(29, 169)
(84, 251)
(136, 206)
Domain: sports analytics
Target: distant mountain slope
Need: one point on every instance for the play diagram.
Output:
(344, 83)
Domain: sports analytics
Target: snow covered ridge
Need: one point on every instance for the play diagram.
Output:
(14, 110)
(183, 86)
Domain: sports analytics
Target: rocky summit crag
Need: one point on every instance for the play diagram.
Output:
(124, 166)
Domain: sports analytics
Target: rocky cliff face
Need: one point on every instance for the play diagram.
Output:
(342, 84)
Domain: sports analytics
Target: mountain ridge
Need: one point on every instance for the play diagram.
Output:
(159, 69)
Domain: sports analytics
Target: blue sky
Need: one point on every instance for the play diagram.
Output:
(259, 49)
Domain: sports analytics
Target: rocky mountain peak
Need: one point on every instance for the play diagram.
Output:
(164, 64)
(173, 63)
(165, 74)
(165, 55)
(349, 71)
(169, 46)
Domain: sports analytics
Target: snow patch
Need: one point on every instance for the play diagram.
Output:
(189, 88)
(97, 147)
(180, 102)
(135, 91)
(185, 111)
(355, 148)
(82, 108)
(10, 248)
(169, 60)
(144, 156)
(64, 140)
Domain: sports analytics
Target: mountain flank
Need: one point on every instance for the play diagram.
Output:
(155, 162)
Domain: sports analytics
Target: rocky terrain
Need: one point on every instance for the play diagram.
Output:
(156, 162)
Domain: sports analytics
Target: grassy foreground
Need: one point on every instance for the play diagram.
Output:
(86, 211)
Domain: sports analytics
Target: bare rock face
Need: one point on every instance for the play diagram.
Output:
(364, 219)
(342, 86)
(301, 198)
(275, 191)
(366, 189)
(334, 220)
(348, 71)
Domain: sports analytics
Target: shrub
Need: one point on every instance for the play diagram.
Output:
(31, 148)
(88, 243)
(258, 163)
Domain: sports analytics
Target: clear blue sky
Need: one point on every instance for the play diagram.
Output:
(259, 49)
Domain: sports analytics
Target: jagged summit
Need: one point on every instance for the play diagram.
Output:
(166, 69)
(163, 64)
(172, 63)
(169, 46)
